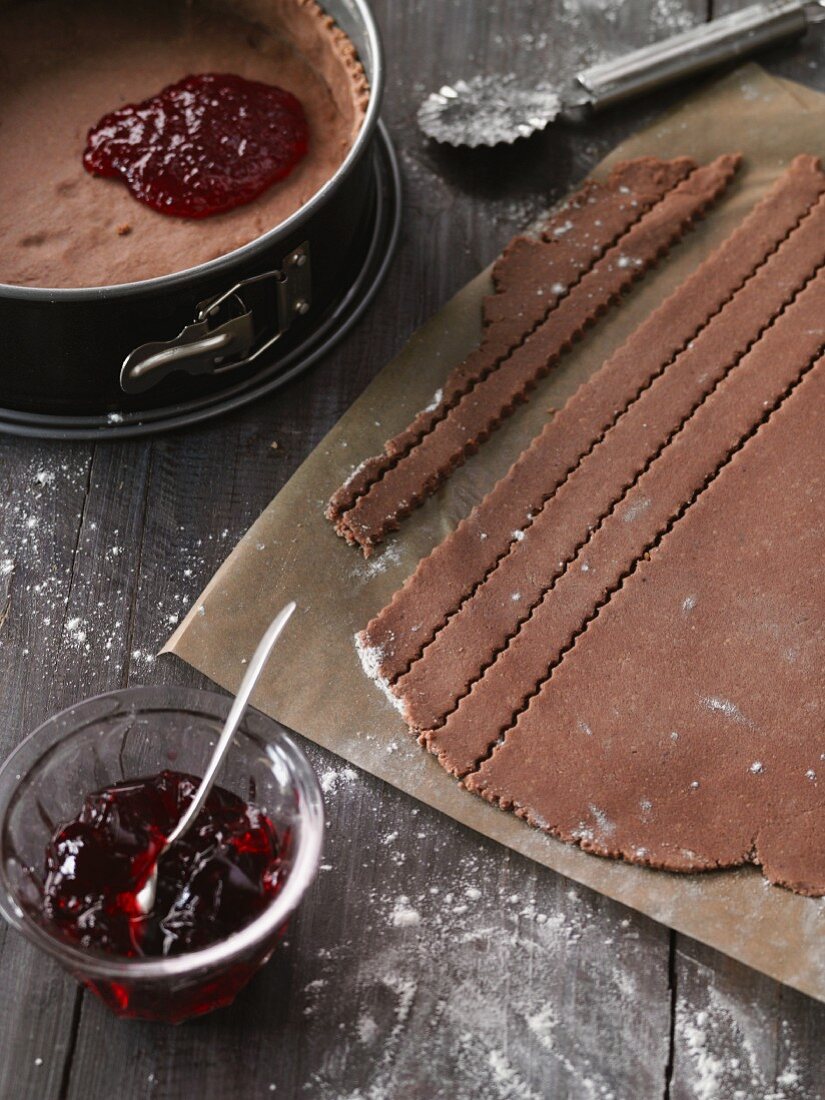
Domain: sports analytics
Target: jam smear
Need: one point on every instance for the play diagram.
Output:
(209, 143)
(218, 877)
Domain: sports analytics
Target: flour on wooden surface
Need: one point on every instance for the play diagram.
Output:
(706, 1036)
(727, 708)
(437, 957)
(334, 778)
(53, 567)
(403, 915)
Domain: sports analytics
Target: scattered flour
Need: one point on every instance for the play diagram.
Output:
(729, 1050)
(709, 1066)
(726, 707)
(370, 657)
(509, 1081)
(506, 914)
(403, 915)
(87, 618)
(606, 826)
(438, 397)
(543, 1024)
(365, 569)
(333, 778)
(633, 511)
(367, 1029)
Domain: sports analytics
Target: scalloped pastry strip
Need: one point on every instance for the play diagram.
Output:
(684, 729)
(444, 579)
(482, 408)
(470, 639)
(574, 238)
(689, 461)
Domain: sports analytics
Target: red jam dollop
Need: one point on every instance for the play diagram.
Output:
(202, 146)
(218, 877)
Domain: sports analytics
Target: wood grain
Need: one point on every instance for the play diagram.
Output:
(427, 962)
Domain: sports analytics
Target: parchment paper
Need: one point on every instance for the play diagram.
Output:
(292, 552)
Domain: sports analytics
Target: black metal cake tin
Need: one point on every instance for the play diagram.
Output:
(145, 356)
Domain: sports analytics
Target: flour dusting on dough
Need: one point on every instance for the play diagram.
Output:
(438, 397)
(370, 658)
(726, 707)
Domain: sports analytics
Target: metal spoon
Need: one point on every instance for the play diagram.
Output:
(145, 897)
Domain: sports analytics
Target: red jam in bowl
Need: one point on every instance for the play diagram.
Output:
(212, 882)
(205, 145)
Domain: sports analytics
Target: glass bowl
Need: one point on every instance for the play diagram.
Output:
(138, 732)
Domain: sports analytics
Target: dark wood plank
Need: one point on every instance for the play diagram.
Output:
(68, 536)
(44, 490)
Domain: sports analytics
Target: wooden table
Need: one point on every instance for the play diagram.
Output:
(427, 962)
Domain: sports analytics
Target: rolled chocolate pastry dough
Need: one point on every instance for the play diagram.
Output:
(624, 641)
(511, 359)
(444, 579)
(684, 729)
(571, 243)
(492, 615)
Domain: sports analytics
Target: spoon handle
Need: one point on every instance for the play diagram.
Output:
(256, 665)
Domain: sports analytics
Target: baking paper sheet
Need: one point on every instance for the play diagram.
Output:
(291, 552)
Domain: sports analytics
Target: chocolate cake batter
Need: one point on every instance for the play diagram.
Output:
(65, 64)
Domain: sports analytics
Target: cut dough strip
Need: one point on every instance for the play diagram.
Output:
(482, 408)
(456, 567)
(576, 237)
(469, 641)
(710, 657)
(686, 465)
(531, 275)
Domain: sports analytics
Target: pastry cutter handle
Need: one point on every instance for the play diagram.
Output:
(695, 50)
